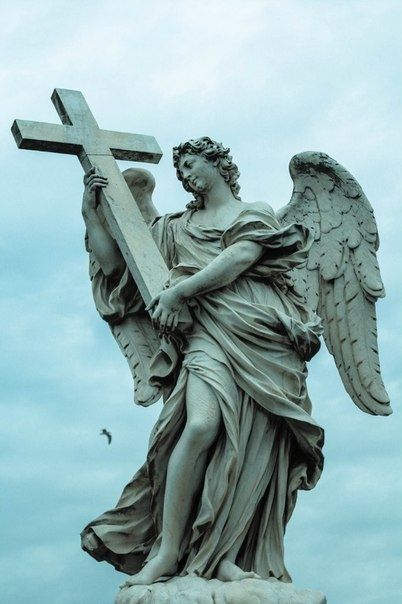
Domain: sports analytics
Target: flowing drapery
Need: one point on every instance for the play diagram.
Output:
(250, 343)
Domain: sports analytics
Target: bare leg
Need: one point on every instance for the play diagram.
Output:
(185, 476)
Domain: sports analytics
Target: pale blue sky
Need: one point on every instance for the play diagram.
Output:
(269, 79)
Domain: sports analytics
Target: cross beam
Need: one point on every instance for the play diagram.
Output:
(80, 135)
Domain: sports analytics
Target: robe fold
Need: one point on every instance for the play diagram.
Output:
(250, 342)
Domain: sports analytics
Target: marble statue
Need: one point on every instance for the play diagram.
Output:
(218, 308)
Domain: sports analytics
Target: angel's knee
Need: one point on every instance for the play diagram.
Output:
(200, 433)
(203, 415)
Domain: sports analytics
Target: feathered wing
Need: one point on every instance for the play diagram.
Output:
(135, 335)
(341, 280)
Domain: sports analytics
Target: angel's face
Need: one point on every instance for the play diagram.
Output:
(197, 172)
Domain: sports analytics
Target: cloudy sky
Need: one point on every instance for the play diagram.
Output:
(269, 79)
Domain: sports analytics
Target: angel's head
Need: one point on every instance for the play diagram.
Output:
(199, 161)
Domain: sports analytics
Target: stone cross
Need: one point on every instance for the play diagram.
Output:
(80, 135)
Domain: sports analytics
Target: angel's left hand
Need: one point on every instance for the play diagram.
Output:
(166, 309)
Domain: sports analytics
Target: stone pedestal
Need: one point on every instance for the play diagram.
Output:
(195, 590)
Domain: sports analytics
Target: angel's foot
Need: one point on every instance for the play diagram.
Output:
(229, 571)
(160, 566)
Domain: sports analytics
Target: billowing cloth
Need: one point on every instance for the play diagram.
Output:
(250, 342)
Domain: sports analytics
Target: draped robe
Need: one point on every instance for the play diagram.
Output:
(250, 342)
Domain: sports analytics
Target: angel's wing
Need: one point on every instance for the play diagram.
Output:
(138, 341)
(135, 335)
(341, 280)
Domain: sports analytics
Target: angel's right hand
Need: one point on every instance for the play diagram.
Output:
(93, 182)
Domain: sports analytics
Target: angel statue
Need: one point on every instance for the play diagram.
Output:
(235, 439)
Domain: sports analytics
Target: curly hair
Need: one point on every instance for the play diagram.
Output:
(213, 152)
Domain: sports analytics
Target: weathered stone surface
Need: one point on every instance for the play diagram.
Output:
(235, 439)
(195, 590)
(95, 148)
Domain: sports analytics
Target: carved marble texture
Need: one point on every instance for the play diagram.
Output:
(217, 309)
(195, 590)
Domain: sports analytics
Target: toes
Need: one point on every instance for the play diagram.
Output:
(241, 574)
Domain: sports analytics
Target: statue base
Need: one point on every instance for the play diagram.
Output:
(196, 590)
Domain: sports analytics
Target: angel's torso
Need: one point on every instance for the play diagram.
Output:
(196, 238)
(220, 218)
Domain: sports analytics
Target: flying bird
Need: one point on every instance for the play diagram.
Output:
(106, 433)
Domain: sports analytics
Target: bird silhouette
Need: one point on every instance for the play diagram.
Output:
(106, 433)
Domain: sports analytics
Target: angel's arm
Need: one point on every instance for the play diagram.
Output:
(224, 269)
(103, 246)
(117, 299)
